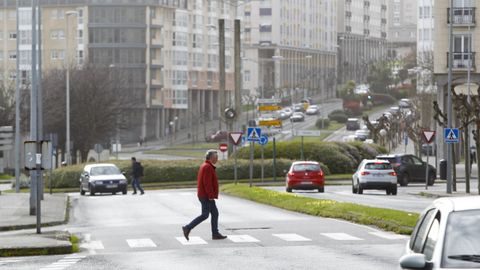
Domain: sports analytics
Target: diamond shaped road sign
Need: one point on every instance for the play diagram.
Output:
(236, 137)
(428, 135)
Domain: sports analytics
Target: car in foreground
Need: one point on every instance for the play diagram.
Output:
(352, 124)
(102, 178)
(410, 168)
(297, 117)
(305, 175)
(218, 136)
(374, 174)
(313, 110)
(446, 236)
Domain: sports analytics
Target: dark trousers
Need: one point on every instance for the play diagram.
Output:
(136, 184)
(208, 207)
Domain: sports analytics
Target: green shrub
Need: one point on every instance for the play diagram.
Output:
(182, 170)
(326, 123)
(383, 99)
(338, 115)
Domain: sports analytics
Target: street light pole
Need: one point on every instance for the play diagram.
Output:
(67, 63)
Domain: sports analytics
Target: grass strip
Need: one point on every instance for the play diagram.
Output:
(75, 243)
(387, 219)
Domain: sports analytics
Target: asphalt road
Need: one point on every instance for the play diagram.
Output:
(144, 232)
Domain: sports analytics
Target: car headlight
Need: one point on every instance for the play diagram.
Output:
(123, 181)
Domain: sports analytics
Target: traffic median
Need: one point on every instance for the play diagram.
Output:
(387, 219)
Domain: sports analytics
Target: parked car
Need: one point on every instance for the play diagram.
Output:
(353, 124)
(219, 136)
(394, 110)
(429, 149)
(405, 103)
(374, 174)
(362, 135)
(102, 178)
(410, 168)
(446, 236)
(313, 110)
(305, 175)
(297, 117)
(281, 114)
(288, 112)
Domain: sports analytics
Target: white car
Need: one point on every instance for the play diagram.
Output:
(374, 174)
(312, 110)
(447, 236)
(288, 112)
(102, 178)
(297, 117)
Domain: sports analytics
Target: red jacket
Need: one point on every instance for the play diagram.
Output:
(207, 181)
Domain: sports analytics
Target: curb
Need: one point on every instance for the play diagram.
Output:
(36, 251)
(54, 243)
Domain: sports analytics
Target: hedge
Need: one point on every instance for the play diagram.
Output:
(182, 170)
(339, 157)
(338, 115)
(324, 121)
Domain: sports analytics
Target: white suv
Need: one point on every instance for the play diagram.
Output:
(374, 174)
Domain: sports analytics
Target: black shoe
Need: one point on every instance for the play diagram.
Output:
(186, 232)
(134, 193)
(142, 193)
(218, 236)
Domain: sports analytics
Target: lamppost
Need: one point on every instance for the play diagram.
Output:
(67, 63)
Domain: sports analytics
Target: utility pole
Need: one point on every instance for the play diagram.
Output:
(221, 53)
(238, 74)
(450, 166)
(17, 109)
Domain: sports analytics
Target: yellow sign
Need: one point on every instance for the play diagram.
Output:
(263, 108)
(270, 122)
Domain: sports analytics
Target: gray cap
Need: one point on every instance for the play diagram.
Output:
(210, 152)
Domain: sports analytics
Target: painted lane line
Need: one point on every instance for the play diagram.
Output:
(141, 243)
(194, 240)
(389, 236)
(242, 238)
(291, 237)
(92, 245)
(341, 236)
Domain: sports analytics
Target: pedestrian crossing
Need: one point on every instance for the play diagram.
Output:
(64, 263)
(195, 240)
(9, 261)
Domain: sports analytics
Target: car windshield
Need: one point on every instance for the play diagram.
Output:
(104, 170)
(378, 166)
(306, 167)
(462, 245)
(389, 159)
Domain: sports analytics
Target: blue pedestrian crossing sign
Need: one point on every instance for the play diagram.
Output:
(254, 134)
(451, 135)
(263, 140)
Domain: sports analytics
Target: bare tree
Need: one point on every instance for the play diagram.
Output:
(95, 106)
(7, 105)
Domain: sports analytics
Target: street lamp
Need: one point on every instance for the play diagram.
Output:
(67, 146)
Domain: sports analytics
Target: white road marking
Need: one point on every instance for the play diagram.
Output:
(141, 243)
(390, 236)
(291, 237)
(185, 193)
(341, 236)
(242, 238)
(92, 245)
(3, 262)
(194, 240)
(63, 263)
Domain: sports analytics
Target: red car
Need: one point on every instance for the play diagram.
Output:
(305, 175)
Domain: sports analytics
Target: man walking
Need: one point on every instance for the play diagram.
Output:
(207, 192)
(137, 173)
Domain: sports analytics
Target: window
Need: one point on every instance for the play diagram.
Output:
(432, 238)
(246, 76)
(12, 55)
(265, 12)
(12, 35)
(419, 235)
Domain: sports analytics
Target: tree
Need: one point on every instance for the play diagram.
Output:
(95, 106)
(7, 105)
(379, 77)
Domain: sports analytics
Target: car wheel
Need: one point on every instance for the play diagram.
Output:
(321, 189)
(360, 189)
(289, 189)
(387, 191)
(82, 192)
(394, 190)
(431, 178)
(91, 190)
(124, 192)
(354, 190)
(405, 180)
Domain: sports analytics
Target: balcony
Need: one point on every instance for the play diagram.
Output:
(462, 16)
(462, 60)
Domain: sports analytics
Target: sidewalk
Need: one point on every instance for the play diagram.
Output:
(14, 213)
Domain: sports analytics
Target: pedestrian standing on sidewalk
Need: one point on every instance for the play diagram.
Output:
(207, 192)
(137, 174)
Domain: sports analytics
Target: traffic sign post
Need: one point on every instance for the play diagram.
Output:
(263, 142)
(254, 134)
(428, 135)
(305, 133)
(236, 138)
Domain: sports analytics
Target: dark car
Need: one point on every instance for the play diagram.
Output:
(353, 124)
(410, 168)
(219, 136)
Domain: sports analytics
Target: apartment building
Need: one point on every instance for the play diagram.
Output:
(402, 28)
(289, 48)
(164, 51)
(425, 41)
(362, 33)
